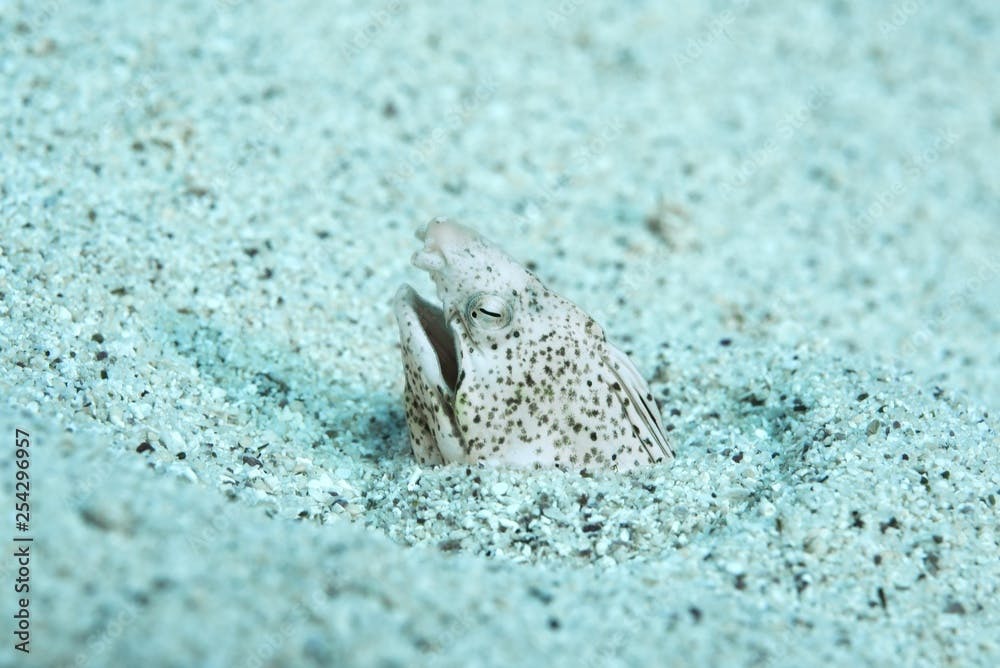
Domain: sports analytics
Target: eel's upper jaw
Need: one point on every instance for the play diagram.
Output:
(441, 238)
(426, 337)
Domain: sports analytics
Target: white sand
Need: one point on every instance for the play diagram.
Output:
(206, 207)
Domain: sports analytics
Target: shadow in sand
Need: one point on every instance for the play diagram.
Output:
(262, 377)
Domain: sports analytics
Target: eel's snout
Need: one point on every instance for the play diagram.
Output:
(443, 240)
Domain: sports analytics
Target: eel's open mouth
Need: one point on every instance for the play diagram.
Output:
(426, 336)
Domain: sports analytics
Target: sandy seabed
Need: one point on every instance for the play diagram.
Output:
(788, 213)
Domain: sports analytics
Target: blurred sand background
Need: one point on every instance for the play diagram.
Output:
(788, 213)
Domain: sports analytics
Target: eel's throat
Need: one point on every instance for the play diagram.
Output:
(431, 339)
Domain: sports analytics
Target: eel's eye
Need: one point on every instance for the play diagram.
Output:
(488, 311)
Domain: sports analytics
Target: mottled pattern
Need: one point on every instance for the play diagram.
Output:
(510, 372)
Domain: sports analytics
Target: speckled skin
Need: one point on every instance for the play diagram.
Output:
(510, 372)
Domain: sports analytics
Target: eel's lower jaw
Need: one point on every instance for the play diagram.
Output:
(431, 342)
(430, 260)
